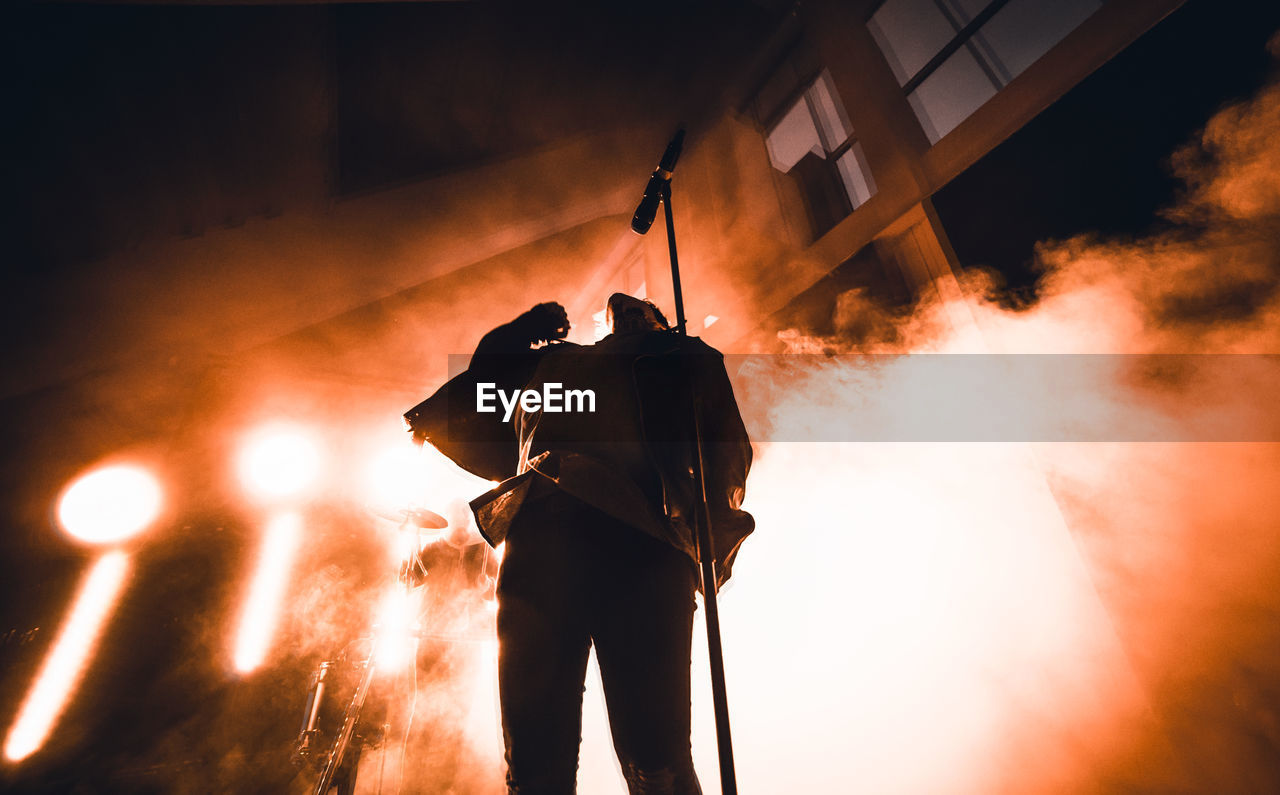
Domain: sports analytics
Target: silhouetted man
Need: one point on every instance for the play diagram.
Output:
(597, 521)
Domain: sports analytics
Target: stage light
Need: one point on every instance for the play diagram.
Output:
(66, 660)
(279, 461)
(262, 606)
(110, 504)
(397, 476)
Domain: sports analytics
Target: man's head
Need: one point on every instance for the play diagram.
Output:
(627, 314)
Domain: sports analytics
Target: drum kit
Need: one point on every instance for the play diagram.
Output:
(327, 758)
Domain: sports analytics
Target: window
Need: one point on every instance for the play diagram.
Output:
(951, 56)
(809, 138)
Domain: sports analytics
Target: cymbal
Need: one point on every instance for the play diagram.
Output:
(418, 517)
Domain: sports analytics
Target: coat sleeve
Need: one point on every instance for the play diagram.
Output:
(480, 443)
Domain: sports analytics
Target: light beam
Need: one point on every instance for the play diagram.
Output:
(396, 476)
(262, 607)
(67, 658)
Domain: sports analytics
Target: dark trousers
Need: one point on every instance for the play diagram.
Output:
(573, 576)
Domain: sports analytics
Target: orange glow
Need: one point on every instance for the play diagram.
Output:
(942, 606)
(405, 543)
(397, 630)
(66, 662)
(444, 481)
(279, 461)
(482, 722)
(397, 475)
(109, 505)
(262, 606)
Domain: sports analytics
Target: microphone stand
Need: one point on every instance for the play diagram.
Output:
(702, 535)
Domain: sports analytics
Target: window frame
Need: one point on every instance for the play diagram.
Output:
(985, 57)
(805, 81)
(962, 37)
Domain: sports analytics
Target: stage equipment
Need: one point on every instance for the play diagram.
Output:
(659, 182)
(279, 462)
(333, 757)
(308, 744)
(420, 518)
(109, 505)
(342, 743)
(659, 190)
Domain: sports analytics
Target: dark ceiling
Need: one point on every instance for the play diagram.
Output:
(142, 120)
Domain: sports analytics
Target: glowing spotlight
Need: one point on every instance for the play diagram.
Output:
(110, 504)
(279, 461)
(262, 606)
(65, 664)
(397, 475)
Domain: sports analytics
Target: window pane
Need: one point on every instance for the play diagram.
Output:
(826, 104)
(909, 33)
(793, 137)
(1024, 30)
(986, 54)
(823, 192)
(855, 175)
(950, 94)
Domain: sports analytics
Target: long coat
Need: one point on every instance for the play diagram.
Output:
(631, 458)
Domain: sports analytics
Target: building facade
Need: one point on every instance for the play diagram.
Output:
(849, 119)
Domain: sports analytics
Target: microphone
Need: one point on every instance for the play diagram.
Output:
(648, 209)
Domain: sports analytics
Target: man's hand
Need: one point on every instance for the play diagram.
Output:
(544, 322)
